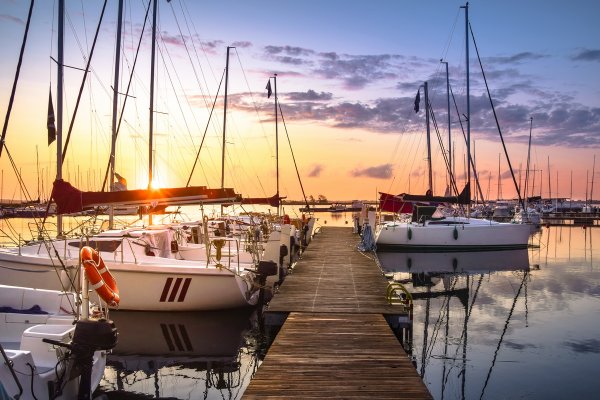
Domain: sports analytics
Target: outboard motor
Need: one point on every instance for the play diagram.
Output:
(264, 269)
(283, 252)
(89, 337)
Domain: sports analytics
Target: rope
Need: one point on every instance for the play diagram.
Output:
(496, 119)
(205, 130)
(17, 73)
(83, 80)
(293, 157)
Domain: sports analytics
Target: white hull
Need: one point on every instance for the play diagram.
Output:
(174, 288)
(146, 283)
(452, 234)
(154, 273)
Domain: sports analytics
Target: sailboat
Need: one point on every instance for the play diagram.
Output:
(427, 231)
(149, 276)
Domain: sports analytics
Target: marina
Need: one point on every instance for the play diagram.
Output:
(475, 313)
(167, 228)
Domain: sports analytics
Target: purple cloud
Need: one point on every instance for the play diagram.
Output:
(383, 171)
(587, 55)
(6, 17)
(316, 170)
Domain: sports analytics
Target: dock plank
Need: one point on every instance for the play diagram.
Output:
(330, 355)
(333, 276)
(335, 342)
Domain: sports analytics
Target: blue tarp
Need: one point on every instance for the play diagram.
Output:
(33, 310)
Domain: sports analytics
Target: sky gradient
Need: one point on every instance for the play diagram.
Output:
(347, 75)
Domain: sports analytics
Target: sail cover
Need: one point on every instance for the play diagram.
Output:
(463, 198)
(70, 200)
(394, 203)
(403, 203)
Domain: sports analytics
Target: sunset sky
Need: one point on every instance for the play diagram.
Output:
(347, 76)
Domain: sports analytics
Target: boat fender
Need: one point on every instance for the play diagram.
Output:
(454, 263)
(409, 263)
(409, 233)
(455, 233)
(100, 278)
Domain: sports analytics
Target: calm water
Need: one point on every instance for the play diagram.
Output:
(202, 355)
(497, 325)
(510, 325)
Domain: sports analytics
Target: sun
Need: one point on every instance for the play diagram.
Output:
(155, 184)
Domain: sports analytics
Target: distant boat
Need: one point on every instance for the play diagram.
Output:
(336, 207)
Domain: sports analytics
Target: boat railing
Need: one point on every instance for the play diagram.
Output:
(43, 231)
(219, 243)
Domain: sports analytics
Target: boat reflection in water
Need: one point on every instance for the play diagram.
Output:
(463, 307)
(461, 262)
(182, 354)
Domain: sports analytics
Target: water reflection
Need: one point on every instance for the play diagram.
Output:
(206, 355)
(506, 324)
(464, 262)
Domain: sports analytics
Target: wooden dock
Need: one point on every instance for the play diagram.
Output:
(335, 342)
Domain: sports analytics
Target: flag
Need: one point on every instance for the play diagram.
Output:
(121, 183)
(121, 180)
(50, 123)
(417, 101)
(269, 91)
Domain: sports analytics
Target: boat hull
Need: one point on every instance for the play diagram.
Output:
(157, 285)
(478, 236)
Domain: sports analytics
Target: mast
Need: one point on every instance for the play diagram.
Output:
(571, 193)
(276, 143)
(37, 166)
(225, 118)
(151, 122)
(466, 7)
(549, 183)
(449, 131)
(59, 101)
(499, 191)
(592, 188)
(114, 109)
(428, 137)
(527, 168)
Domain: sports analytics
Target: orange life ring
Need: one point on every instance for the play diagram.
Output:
(100, 278)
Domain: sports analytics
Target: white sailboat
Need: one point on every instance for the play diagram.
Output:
(426, 232)
(150, 278)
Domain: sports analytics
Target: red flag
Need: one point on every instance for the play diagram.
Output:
(50, 122)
